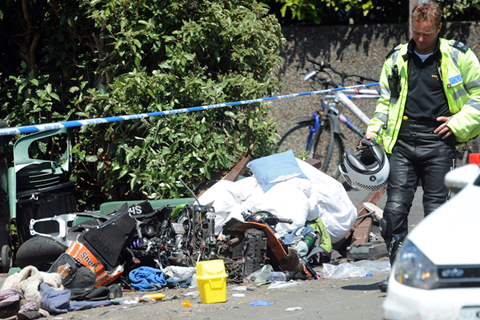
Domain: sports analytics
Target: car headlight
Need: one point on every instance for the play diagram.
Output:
(414, 269)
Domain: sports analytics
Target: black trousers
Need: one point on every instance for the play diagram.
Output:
(422, 156)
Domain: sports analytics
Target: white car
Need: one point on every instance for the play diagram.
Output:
(436, 275)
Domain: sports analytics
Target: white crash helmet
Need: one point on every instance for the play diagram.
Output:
(366, 170)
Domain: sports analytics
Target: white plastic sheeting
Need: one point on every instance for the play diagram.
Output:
(355, 269)
(297, 199)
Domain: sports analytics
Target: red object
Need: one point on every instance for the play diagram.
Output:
(474, 158)
(81, 254)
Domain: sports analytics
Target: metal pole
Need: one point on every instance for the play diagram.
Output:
(413, 3)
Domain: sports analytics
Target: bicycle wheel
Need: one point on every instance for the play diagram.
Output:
(296, 138)
(328, 148)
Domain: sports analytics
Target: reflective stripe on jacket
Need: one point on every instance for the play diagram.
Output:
(460, 71)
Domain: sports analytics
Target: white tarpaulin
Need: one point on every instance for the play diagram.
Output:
(296, 198)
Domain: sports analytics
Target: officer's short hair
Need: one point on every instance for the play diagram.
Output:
(427, 11)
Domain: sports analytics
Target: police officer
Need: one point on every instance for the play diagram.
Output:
(430, 101)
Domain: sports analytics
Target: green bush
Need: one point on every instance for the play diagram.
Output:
(331, 12)
(91, 59)
(320, 10)
(466, 10)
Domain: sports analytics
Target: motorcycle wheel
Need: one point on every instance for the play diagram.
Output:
(39, 252)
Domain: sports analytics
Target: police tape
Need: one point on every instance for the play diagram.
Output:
(89, 122)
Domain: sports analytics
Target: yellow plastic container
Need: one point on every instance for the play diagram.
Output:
(212, 281)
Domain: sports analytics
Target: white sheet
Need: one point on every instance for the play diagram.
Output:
(297, 199)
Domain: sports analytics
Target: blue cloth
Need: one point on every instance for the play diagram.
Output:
(58, 301)
(84, 305)
(261, 303)
(147, 279)
(182, 283)
(290, 237)
(307, 229)
(54, 301)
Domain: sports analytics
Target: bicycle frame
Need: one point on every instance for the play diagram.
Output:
(344, 99)
(341, 95)
(352, 107)
(312, 131)
(351, 126)
(355, 93)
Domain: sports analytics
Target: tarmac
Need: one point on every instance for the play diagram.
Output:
(343, 298)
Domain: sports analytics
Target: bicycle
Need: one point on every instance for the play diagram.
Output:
(325, 123)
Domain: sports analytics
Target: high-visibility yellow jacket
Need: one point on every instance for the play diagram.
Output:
(460, 72)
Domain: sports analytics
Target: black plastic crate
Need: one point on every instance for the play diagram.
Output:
(44, 203)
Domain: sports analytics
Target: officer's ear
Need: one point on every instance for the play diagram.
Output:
(439, 27)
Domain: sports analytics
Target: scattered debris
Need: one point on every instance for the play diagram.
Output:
(355, 269)
(283, 285)
(261, 303)
(150, 246)
(294, 309)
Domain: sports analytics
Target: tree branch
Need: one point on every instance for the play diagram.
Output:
(33, 46)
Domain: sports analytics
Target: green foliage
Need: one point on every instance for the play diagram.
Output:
(328, 12)
(317, 11)
(115, 57)
(460, 10)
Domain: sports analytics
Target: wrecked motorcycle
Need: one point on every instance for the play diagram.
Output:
(169, 236)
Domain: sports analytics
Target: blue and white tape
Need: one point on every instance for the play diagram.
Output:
(89, 122)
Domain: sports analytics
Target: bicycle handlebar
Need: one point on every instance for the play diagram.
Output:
(343, 75)
(321, 63)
